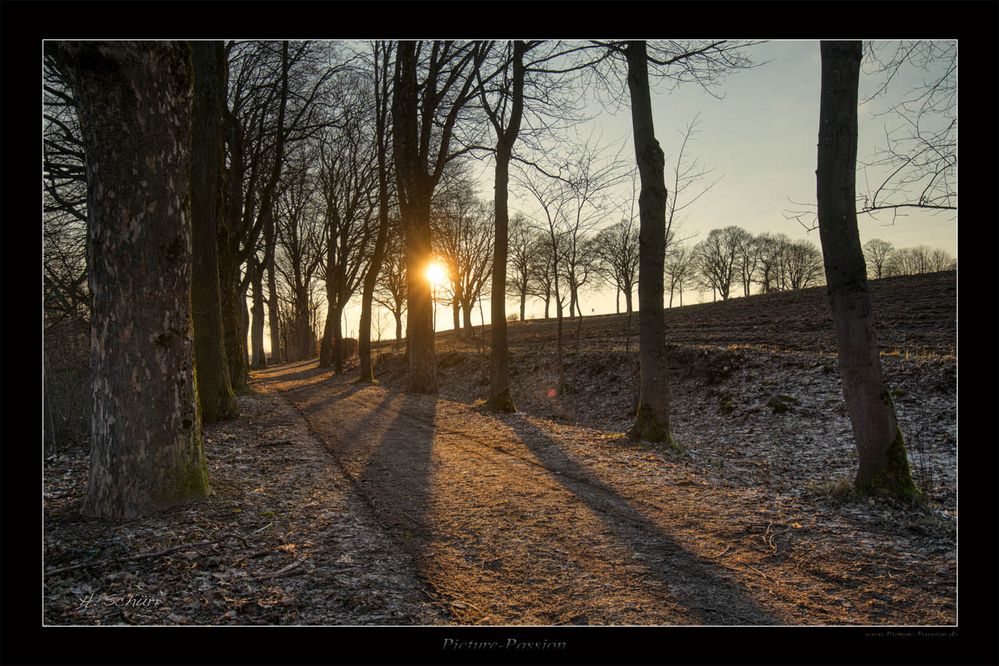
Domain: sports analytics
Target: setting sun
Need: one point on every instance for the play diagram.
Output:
(436, 274)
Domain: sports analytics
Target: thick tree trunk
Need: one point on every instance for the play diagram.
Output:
(422, 355)
(456, 313)
(466, 319)
(548, 308)
(214, 387)
(884, 467)
(523, 306)
(232, 326)
(259, 360)
(415, 189)
(398, 328)
(628, 303)
(134, 104)
(652, 422)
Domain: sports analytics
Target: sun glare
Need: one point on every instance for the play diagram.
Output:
(436, 274)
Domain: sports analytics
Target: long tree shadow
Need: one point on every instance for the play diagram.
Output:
(396, 478)
(695, 582)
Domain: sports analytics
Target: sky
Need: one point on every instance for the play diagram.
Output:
(760, 138)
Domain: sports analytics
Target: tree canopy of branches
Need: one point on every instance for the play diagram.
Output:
(916, 164)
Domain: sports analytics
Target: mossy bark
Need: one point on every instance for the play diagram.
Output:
(881, 450)
(134, 103)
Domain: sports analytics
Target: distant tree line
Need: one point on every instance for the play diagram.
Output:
(884, 260)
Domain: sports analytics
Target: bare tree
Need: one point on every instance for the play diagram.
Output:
(465, 234)
(349, 179)
(299, 252)
(390, 290)
(715, 258)
(424, 114)
(617, 251)
(918, 260)
(134, 105)
(679, 269)
(544, 263)
(803, 265)
(520, 252)
(884, 466)
(382, 53)
(746, 258)
(878, 252)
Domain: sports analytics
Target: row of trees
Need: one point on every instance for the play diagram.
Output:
(213, 169)
(884, 260)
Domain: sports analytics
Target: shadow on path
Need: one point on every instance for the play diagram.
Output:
(694, 582)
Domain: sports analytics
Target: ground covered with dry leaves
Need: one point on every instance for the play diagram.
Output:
(339, 503)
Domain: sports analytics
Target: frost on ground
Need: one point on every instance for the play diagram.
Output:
(429, 509)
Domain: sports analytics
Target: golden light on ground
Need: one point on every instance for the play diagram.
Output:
(436, 274)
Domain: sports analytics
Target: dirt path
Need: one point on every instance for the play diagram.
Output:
(523, 520)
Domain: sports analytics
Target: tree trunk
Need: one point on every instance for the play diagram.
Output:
(232, 326)
(548, 308)
(398, 328)
(456, 312)
(466, 317)
(378, 255)
(214, 386)
(523, 306)
(272, 311)
(628, 303)
(326, 345)
(652, 420)
(338, 343)
(499, 385)
(884, 467)
(259, 360)
(244, 327)
(415, 189)
(134, 105)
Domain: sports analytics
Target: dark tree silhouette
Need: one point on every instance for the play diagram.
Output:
(884, 466)
(382, 59)
(652, 421)
(424, 114)
(214, 385)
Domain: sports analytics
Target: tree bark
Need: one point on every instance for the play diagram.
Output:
(652, 422)
(214, 385)
(258, 359)
(499, 385)
(134, 104)
(884, 467)
(378, 255)
(415, 191)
